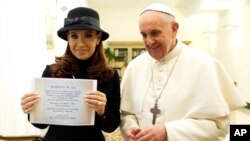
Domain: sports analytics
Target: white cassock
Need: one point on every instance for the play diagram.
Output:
(195, 93)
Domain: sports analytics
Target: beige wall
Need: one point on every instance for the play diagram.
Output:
(122, 22)
(233, 46)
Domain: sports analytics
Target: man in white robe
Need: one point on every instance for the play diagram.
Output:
(192, 93)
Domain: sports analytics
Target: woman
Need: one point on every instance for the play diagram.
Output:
(84, 59)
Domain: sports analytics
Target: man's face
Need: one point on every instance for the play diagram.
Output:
(158, 35)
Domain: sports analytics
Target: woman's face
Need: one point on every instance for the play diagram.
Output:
(83, 43)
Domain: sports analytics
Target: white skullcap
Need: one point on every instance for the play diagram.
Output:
(159, 7)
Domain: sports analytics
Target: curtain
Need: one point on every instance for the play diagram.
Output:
(23, 56)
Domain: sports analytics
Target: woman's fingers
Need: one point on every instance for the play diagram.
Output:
(31, 105)
(96, 100)
(29, 101)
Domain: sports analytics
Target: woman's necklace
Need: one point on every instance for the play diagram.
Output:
(155, 110)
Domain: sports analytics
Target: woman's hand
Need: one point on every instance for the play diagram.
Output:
(96, 100)
(29, 102)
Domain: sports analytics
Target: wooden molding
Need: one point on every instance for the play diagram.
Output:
(125, 43)
(21, 138)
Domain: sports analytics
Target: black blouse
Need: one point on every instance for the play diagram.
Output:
(89, 133)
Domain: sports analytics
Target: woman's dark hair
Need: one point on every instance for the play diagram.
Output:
(66, 65)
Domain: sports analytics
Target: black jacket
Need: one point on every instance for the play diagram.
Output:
(89, 133)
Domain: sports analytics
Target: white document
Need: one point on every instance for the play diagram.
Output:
(62, 101)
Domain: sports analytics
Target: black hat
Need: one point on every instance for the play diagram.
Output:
(81, 18)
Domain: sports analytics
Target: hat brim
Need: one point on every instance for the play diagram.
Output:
(62, 33)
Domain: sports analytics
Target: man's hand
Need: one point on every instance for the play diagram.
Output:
(131, 133)
(154, 133)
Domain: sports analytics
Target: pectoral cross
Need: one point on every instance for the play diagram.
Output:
(155, 111)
